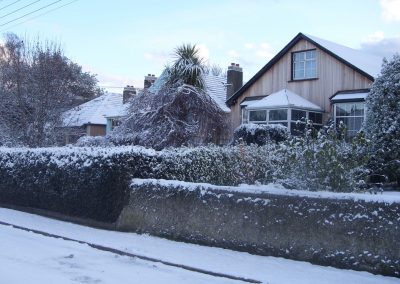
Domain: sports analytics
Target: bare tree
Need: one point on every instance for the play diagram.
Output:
(37, 83)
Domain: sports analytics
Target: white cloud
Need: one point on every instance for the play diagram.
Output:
(374, 37)
(203, 51)
(249, 45)
(390, 10)
(264, 51)
(380, 45)
(233, 54)
(158, 57)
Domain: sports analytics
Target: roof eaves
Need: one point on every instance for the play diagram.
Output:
(334, 55)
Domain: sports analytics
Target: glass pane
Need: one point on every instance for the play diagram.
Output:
(358, 123)
(258, 115)
(315, 117)
(298, 56)
(278, 114)
(245, 115)
(310, 54)
(298, 114)
(359, 109)
(340, 111)
(311, 73)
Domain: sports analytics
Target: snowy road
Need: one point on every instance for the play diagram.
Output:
(26, 257)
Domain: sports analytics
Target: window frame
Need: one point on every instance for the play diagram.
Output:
(304, 61)
(350, 132)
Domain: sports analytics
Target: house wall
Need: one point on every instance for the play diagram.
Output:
(95, 130)
(332, 76)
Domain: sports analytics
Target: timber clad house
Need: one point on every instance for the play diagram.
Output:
(309, 78)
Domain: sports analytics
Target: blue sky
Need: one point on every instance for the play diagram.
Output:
(124, 40)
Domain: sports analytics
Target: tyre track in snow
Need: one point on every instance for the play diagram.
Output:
(123, 253)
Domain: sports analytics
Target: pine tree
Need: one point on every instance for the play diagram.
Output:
(383, 120)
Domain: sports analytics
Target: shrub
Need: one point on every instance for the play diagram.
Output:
(383, 121)
(83, 182)
(324, 162)
(230, 165)
(260, 134)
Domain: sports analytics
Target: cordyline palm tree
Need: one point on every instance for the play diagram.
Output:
(188, 68)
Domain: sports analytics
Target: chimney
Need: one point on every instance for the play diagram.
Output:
(149, 80)
(234, 79)
(128, 93)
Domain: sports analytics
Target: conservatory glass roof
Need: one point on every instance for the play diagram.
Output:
(283, 99)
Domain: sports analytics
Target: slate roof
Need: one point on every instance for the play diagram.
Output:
(95, 111)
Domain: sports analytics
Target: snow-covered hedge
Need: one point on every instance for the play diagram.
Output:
(218, 165)
(260, 134)
(352, 231)
(91, 181)
(82, 182)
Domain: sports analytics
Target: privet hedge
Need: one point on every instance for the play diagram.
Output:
(353, 232)
(82, 182)
(91, 182)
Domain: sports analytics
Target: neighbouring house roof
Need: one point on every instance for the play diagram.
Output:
(95, 111)
(283, 99)
(366, 64)
(215, 87)
(350, 96)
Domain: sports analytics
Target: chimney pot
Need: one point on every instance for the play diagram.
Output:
(234, 79)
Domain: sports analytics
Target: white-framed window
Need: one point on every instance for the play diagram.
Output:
(294, 119)
(304, 65)
(352, 114)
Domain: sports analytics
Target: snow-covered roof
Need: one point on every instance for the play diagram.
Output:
(95, 111)
(215, 88)
(369, 63)
(348, 96)
(283, 99)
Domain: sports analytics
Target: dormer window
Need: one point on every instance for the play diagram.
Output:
(304, 65)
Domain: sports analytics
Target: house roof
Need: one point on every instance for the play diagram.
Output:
(350, 96)
(95, 111)
(362, 62)
(283, 99)
(215, 87)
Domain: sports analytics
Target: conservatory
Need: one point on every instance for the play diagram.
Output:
(283, 107)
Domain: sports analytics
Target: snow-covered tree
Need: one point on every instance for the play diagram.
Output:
(37, 83)
(383, 120)
(176, 111)
(188, 67)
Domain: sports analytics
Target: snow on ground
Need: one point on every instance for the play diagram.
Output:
(26, 257)
(44, 259)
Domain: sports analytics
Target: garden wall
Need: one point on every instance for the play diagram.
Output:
(344, 231)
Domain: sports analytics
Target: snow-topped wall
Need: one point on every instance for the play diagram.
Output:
(352, 231)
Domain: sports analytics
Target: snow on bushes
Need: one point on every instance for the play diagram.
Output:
(82, 182)
(383, 121)
(229, 165)
(92, 182)
(260, 134)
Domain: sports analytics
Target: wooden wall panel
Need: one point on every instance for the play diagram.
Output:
(332, 76)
